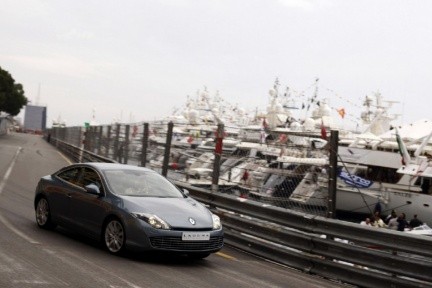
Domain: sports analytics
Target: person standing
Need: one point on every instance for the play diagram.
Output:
(393, 223)
(366, 222)
(391, 216)
(402, 223)
(415, 222)
(378, 222)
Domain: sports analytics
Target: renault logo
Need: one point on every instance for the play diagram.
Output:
(192, 221)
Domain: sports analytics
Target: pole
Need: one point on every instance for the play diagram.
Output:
(217, 158)
(126, 145)
(108, 140)
(99, 145)
(331, 204)
(167, 149)
(144, 145)
(116, 143)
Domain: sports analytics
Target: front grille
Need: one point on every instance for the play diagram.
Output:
(177, 244)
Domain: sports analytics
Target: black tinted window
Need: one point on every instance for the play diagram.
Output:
(90, 176)
(70, 175)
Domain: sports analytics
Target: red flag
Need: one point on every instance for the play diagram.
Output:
(134, 130)
(283, 138)
(323, 131)
(218, 146)
(265, 125)
(245, 175)
(341, 112)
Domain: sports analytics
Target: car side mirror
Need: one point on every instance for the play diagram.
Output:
(92, 189)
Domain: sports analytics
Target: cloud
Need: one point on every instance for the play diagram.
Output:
(305, 4)
(61, 64)
(302, 4)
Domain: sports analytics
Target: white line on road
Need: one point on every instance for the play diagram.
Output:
(9, 170)
(2, 184)
(64, 157)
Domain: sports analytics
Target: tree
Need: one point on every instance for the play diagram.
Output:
(12, 97)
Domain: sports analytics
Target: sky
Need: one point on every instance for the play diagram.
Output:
(133, 61)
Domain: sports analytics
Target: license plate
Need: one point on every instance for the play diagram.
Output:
(196, 236)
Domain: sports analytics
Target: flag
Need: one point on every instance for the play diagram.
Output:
(341, 112)
(245, 176)
(134, 131)
(323, 131)
(283, 138)
(265, 125)
(190, 139)
(402, 149)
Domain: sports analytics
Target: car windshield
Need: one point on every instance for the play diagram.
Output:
(141, 184)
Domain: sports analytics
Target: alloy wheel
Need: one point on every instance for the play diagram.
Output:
(114, 236)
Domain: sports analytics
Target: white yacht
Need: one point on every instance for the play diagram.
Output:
(370, 176)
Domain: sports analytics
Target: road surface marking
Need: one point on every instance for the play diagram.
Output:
(9, 170)
(64, 157)
(2, 184)
(225, 256)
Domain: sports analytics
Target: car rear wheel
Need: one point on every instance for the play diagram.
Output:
(43, 214)
(114, 236)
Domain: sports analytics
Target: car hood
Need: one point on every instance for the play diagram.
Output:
(175, 211)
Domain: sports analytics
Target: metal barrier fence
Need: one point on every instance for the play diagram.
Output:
(250, 171)
(346, 252)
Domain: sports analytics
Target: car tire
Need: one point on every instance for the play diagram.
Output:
(114, 237)
(43, 214)
(198, 256)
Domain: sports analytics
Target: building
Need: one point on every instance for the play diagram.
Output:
(6, 124)
(35, 118)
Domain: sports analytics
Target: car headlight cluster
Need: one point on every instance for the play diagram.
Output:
(216, 222)
(153, 220)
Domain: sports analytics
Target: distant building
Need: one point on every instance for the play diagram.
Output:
(6, 124)
(35, 118)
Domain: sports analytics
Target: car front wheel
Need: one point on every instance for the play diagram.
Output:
(43, 214)
(114, 236)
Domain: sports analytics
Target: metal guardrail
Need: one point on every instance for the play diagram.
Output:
(78, 154)
(346, 252)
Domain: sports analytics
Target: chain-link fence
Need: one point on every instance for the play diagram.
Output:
(276, 169)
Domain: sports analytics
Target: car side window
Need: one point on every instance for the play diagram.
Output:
(70, 175)
(90, 176)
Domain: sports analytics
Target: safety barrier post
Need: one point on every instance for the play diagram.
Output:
(331, 203)
(217, 158)
(116, 143)
(108, 140)
(99, 145)
(167, 149)
(144, 145)
(125, 145)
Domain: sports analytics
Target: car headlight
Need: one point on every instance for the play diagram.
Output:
(153, 220)
(216, 222)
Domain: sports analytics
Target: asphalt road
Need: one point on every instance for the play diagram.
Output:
(32, 257)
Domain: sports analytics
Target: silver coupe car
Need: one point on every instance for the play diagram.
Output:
(127, 207)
